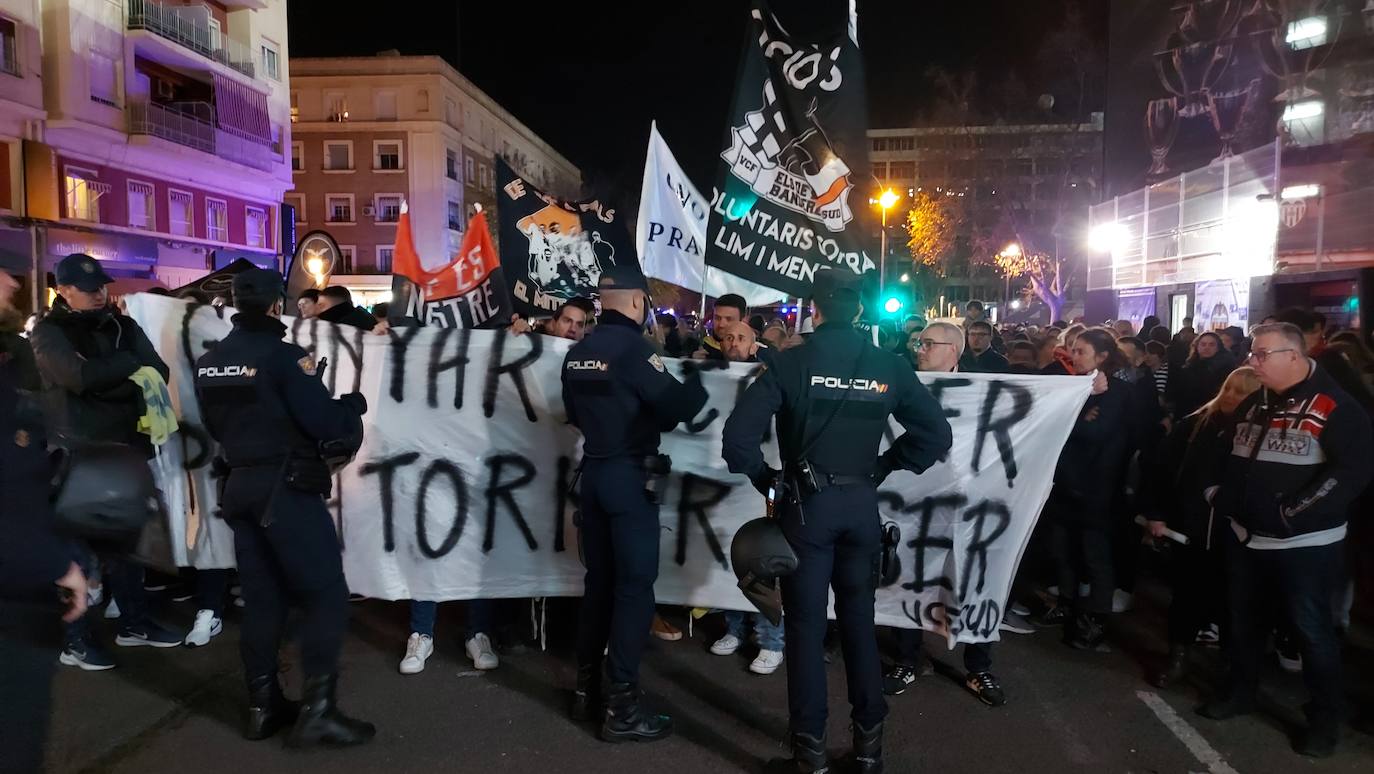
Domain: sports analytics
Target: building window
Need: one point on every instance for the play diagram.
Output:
(388, 208)
(470, 171)
(384, 259)
(336, 106)
(338, 208)
(484, 174)
(9, 53)
(297, 202)
(451, 165)
(142, 210)
(297, 156)
(83, 194)
(879, 143)
(180, 220)
(1305, 121)
(902, 171)
(455, 216)
(338, 156)
(1307, 32)
(255, 226)
(104, 77)
(346, 258)
(386, 106)
(295, 106)
(270, 60)
(216, 38)
(387, 155)
(217, 220)
(1019, 167)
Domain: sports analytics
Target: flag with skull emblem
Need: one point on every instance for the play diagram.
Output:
(553, 249)
(792, 186)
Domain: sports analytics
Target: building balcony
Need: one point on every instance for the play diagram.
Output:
(193, 125)
(189, 27)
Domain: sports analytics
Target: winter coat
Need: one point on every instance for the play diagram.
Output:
(1093, 462)
(1197, 382)
(348, 314)
(1174, 484)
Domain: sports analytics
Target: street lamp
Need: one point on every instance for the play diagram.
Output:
(885, 201)
(1012, 250)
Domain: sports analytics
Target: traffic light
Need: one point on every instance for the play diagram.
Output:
(892, 305)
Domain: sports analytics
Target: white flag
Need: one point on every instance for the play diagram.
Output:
(672, 231)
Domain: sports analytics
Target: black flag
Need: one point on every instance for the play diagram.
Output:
(791, 194)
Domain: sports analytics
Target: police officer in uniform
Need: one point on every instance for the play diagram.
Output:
(274, 420)
(832, 398)
(620, 395)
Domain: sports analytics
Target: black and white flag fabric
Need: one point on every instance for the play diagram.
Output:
(553, 249)
(790, 196)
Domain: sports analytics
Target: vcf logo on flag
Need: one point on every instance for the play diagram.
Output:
(793, 167)
(463, 293)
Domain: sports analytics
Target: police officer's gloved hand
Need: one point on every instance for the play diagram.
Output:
(764, 481)
(355, 401)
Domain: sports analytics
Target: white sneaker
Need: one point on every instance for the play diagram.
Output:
(206, 626)
(480, 651)
(418, 650)
(1019, 609)
(95, 594)
(112, 610)
(766, 663)
(1122, 601)
(725, 646)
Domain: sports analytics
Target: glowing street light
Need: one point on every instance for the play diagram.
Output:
(1012, 250)
(888, 199)
(1108, 237)
(885, 201)
(906, 277)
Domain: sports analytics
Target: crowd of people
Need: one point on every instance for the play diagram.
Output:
(1247, 453)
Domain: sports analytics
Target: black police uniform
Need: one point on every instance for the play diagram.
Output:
(264, 404)
(834, 530)
(620, 395)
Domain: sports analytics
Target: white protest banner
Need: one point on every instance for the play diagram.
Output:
(459, 489)
(671, 232)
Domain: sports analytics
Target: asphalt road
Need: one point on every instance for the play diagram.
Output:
(1068, 711)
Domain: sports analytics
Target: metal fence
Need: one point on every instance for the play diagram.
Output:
(193, 125)
(190, 26)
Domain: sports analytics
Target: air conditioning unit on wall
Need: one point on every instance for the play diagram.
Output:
(369, 211)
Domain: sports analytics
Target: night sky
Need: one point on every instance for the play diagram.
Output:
(608, 69)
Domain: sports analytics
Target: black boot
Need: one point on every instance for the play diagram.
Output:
(868, 749)
(1173, 669)
(321, 722)
(268, 710)
(1089, 632)
(626, 720)
(586, 701)
(808, 757)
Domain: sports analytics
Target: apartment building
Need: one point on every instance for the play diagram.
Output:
(151, 134)
(371, 132)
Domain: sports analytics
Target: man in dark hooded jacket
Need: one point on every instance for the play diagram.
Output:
(336, 306)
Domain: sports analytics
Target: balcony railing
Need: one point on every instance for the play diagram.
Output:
(190, 27)
(192, 125)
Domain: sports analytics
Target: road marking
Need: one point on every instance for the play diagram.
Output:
(1186, 734)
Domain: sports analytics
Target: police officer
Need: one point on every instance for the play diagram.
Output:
(832, 398)
(620, 395)
(265, 405)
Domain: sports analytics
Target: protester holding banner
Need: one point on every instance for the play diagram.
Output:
(830, 512)
(308, 303)
(619, 393)
(1080, 508)
(729, 310)
(336, 306)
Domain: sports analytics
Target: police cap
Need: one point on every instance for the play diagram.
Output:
(622, 277)
(257, 289)
(82, 272)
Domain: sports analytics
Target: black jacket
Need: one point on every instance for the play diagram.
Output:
(1093, 461)
(1173, 486)
(32, 556)
(619, 393)
(990, 362)
(348, 314)
(85, 360)
(1198, 382)
(1296, 463)
(805, 385)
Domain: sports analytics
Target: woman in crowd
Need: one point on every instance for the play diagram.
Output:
(1202, 375)
(1157, 358)
(1090, 470)
(1174, 500)
(1063, 363)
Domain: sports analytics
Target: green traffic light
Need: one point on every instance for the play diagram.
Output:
(892, 305)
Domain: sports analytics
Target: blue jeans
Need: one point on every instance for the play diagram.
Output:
(123, 581)
(770, 637)
(481, 617)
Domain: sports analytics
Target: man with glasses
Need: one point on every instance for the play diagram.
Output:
(1302, 453)
(980, 357)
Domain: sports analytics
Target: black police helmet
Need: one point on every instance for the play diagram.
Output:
(760, 555)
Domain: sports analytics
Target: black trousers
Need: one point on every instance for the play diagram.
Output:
(837, 538)
(1198, 577)
(977, 655)
(1084, 553)
(1298, 582)
(293, 560)
(620, 532)
(30, 637)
